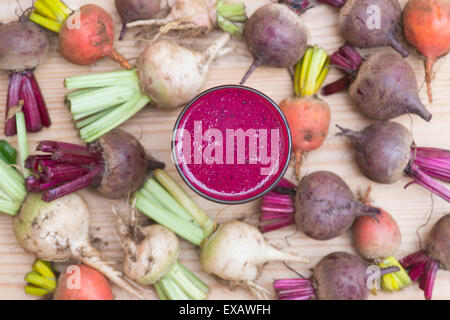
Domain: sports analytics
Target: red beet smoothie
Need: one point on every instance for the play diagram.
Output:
(226, 164)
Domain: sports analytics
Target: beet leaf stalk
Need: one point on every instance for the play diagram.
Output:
(165, 202)
(422, 268)
(394, 281)
(104, 102)
(41, 280)
(12, 183)
(277, 207)
(50, 14)
(231, 17)
(349, 60)
(181, 284)
(65, 168)
(429, 163)
(24, 94)
(294, 289)
(299, 6)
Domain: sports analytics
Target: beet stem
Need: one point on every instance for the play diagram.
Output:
(417, 271)
(429, 278)
(123, 31)
(52, 146)
(13, 98)
(40, 100)
(30, 107)
(279, 224)
(414, 258)
(388, 270)
(72, 186)
(294, 289)
(334, 3)
(339, 85)
(421, 178)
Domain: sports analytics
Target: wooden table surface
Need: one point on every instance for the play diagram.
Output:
(411, 207)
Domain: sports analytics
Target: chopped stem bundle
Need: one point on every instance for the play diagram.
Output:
(41, 280)
(104, 101)
(393, 281)
(181, 284)
(231, 17)
(24, 94)
(12, 183)
(162, 199)
(50, 14)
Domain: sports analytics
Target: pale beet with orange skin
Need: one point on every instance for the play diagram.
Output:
(93, 40)
(93, 285)
(376, 238)
(309, 121)
(426, 25)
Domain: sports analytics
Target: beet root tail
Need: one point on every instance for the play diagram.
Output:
(429, 64)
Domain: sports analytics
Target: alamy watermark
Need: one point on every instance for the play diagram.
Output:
(251, 146)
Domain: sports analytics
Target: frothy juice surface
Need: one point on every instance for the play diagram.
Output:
(231, 144)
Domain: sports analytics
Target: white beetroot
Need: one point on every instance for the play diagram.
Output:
(167, 76)
(151, 255)
(59, 231)
(236, 251)
(193, 16)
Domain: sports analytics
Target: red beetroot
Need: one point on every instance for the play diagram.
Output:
(383, 85)
(325, 207)
(424, 264)
(276, 37)
(385, 152)
(80, 282)
(337, 276)
(22, 48)
(115, 165)
(426, 25)
(370, 23)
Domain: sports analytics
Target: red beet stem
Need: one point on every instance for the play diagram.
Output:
(339, 85)
(433, 162)
(67, 169)
(77, 157)
(299, 6)
(429, 278)
(414, 258)
(334, 3)
(421, 178)
(30, 107)
(417, 271)
(52, 146)
(278, 207)
(63, 172)
(73, 186)
(15, 80)
(45, 117)
(123, 31)
(276, 225)
(294, 289)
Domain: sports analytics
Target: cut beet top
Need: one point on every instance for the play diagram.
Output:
(231, 144)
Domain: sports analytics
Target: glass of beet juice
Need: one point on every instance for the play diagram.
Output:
(231, 144)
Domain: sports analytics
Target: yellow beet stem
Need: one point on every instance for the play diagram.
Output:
(311, 72)
(35, 291)
(305, 67)
(45, 22)
(42, 9)
(394, 281)
(43, 269)
(40, 281)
